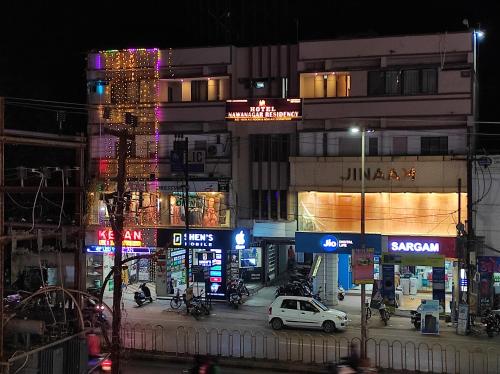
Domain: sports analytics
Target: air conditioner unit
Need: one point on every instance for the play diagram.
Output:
(215, 150)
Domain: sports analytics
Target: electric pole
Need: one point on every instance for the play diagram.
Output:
(116, 219)
(186, 206)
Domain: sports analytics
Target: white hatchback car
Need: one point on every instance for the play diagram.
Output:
(298, 311)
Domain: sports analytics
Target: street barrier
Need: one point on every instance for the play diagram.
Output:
(317, 349)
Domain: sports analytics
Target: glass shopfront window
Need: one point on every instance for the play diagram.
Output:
(206, 209)
(206, 252)
(144, 208)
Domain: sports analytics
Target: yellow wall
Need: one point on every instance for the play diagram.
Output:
(306, 86)
(223, 89)
(386, 213)
(212, 89)
(186, 91)
(319, 86)
(331, 85)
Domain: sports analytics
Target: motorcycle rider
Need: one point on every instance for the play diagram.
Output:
(205, 365)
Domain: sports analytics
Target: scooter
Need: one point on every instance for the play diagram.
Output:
(140, 297)
(416, 319)
(234, 296)
(384, 314)
(341, 293)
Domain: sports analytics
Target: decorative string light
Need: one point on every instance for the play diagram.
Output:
(133, 86)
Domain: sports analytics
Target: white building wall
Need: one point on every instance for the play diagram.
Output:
(311, 143)
(486, 181)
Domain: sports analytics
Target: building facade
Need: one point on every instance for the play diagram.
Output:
(270, 150)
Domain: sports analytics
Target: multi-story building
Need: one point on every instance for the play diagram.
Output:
(270, 151)
(486, 174)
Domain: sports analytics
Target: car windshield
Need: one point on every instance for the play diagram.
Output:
(319, 305)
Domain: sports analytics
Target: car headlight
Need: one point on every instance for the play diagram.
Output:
(340, 318)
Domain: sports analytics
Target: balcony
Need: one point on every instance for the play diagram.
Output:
(388, 106)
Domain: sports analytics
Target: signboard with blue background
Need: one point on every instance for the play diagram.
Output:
(337, 243)
(342, 243)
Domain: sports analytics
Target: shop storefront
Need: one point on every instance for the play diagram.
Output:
(210, 254)
(420, 268)
(100, 249)
(276, 242)
(335, 250)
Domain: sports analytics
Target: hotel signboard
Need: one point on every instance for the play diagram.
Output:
(264, 110)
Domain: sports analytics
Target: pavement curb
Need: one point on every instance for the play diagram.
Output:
(239, 363)
(247, 363)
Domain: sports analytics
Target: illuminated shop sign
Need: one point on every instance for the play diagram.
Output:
(445, 246)
(393, 174)
(330, 243)
(131, 238)
(317, 242)
(240, 240)
(195, 239)
(264, 110)
(111, 249)
(414, 247)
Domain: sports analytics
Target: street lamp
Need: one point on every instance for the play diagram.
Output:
(356, 130)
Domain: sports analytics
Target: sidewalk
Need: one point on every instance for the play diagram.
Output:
(254, 310)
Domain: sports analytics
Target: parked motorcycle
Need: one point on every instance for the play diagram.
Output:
(140, 297)
(242, 288)
(196, 307)
(380, 306)
(492, 322)
(234, 297)
(416, 319)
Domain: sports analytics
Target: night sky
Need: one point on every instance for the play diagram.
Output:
(43, 48)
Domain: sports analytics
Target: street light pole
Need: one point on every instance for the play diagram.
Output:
(363, 244)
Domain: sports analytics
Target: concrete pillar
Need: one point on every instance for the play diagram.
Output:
(327, 278)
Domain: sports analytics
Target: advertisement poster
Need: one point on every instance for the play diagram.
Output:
(438, 286)
(430, 316)
(362, 266)
(486, 266)
(388, 287)
(463, 316)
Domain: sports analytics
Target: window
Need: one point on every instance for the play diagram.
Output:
(429, 81)
(392, 82)
(275, 195)
(402, 82)
(376, 83)
(434, 145)
(399, 145)
(307, 307)
(289, 304)
(269, 198)
(350, 146)
(283, 204)
(410, 79)
(270, 148)
(264, 197)
(255, 204)
(199, 90)
(373, 146)
(327, 84)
